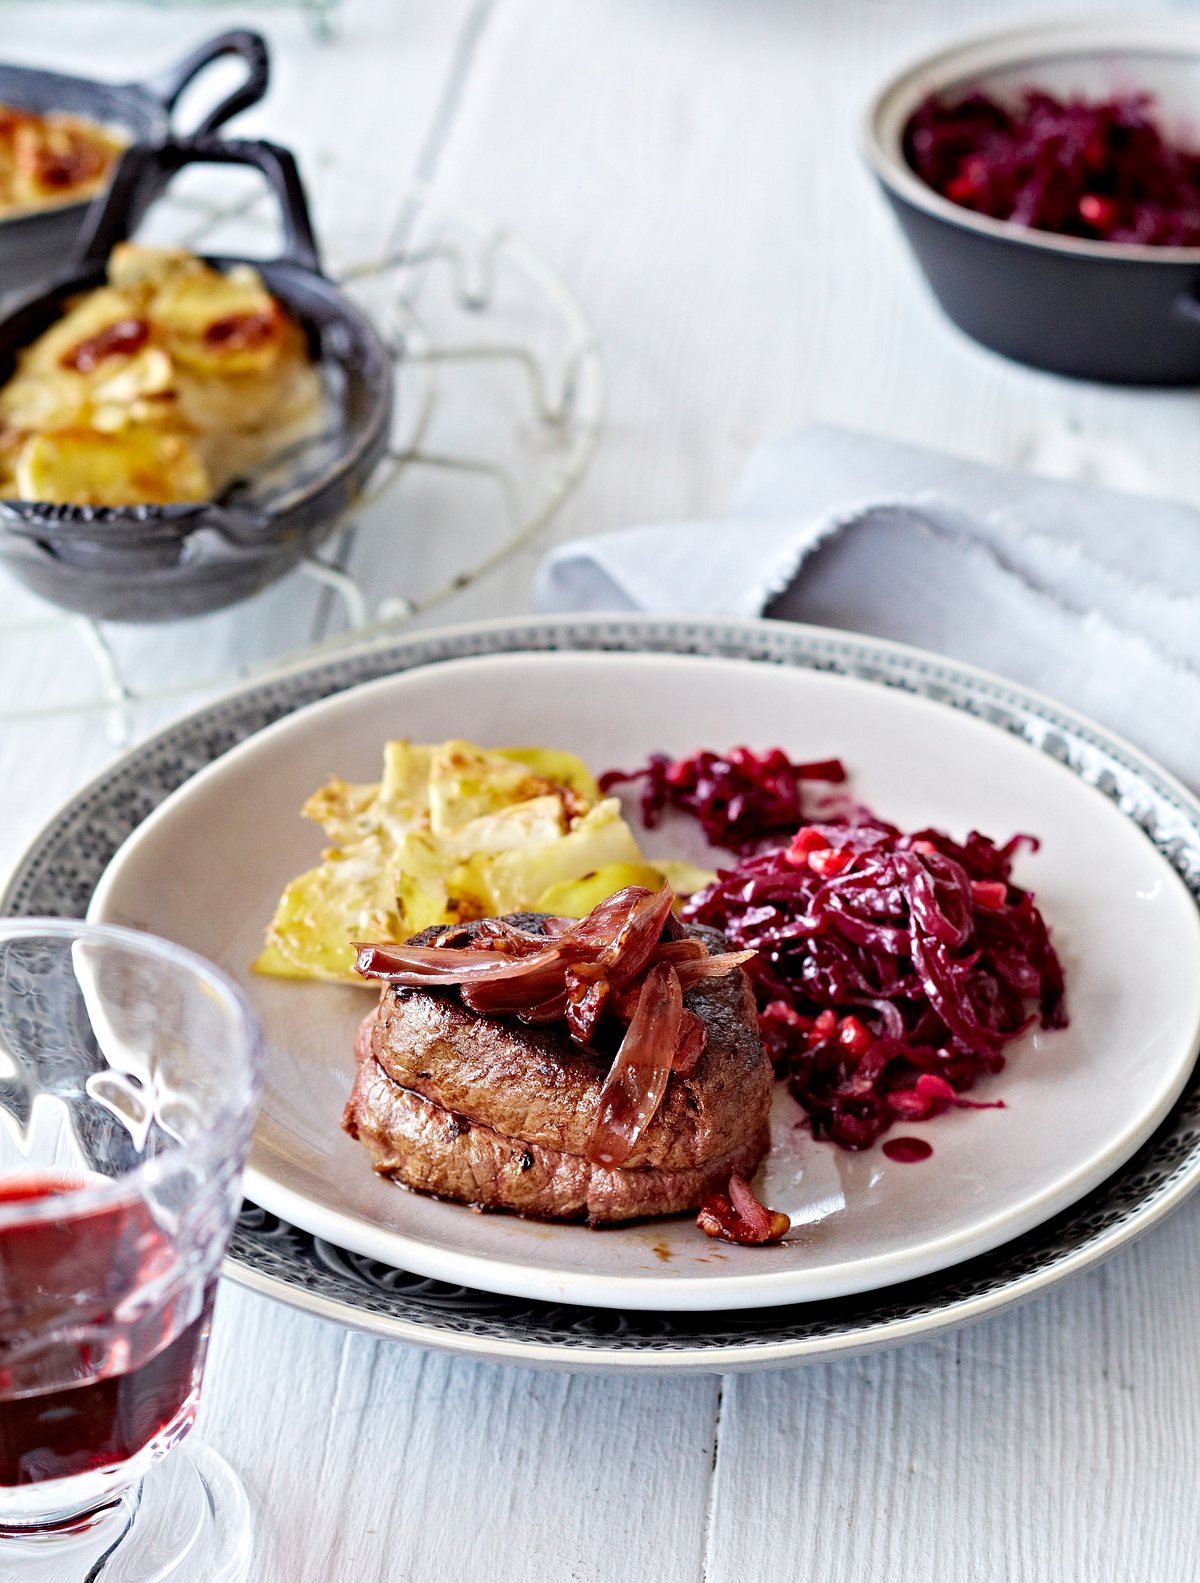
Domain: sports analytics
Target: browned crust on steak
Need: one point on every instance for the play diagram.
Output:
(429, 1148)
(536, 1086)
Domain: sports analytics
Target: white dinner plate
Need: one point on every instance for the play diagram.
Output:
(206, 868)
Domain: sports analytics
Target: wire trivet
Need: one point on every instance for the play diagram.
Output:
(499, 404)
(321, 14)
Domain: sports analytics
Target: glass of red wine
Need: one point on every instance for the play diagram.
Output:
(129, 1074)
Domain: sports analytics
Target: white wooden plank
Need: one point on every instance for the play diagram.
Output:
(1053, 1443)
(372, 1461)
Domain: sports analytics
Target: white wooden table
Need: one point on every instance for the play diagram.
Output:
(689, 166)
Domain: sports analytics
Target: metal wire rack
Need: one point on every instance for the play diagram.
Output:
(500, 399)
(321, 14)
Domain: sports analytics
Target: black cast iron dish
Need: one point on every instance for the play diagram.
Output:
(1092, 310)
(153, 563)
(35, 246)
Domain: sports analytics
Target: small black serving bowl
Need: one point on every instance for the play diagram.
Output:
(35, 245)
(1092, 310)
(155, 563)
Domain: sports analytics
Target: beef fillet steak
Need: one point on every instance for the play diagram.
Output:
(495, 1113)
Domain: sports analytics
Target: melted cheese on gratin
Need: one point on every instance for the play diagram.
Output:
(162, 385)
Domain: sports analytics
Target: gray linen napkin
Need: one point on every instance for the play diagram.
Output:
(1090, 596)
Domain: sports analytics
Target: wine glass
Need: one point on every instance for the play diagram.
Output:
(129, 1072)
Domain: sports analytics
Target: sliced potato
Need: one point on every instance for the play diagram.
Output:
(171, 345)
(576, 897)
(684, 878)
(136, 467)
(467, 782)
(86, 319)
(225, 323)
(147, 373)
(344, 811)
(49, 401)
(452, 832)
(133, 266)
(516, 879)
(559, 766)
(508, 829)
(350, 896)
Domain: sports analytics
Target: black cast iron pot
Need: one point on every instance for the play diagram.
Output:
(154, 563)
(1088, 309)
(36, 245)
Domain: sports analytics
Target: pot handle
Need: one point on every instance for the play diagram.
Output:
(145, 170)
(250, 48)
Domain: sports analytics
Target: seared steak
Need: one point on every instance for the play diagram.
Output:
(497, 1113)
(437, 1151)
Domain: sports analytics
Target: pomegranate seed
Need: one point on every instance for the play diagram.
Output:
(1100, 213)
(855, 1036)
(925, 848)
(961, 190)
(909, 1105)
(933, 1087)
(780, 1011)
(828, 861)
(826, 1023)
(803, 842)
(678, 774)
(989, 893)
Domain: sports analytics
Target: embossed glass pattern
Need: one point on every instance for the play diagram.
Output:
(128, 1078)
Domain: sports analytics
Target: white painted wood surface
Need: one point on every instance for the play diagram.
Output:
(689, 166)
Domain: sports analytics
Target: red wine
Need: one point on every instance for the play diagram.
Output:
(80, 1388)
(40, 1184)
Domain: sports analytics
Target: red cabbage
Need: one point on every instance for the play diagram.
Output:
(892, 969)
(1101, 170)
(739, 798)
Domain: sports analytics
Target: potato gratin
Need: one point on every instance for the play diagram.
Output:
(454, 832)
(50, 160)
(161, 386)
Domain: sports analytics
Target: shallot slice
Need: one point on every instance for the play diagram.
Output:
(711, 966)
(687, 950)
(739, 1216)
(588, 992)
(637, 1079)
(416, 965)
(639, 936)
(756, 1215)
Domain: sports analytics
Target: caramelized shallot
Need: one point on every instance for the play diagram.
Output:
(627, 961)
(638, 1076)
(740, 1216)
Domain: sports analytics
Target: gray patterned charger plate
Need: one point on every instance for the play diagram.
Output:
(61, 869)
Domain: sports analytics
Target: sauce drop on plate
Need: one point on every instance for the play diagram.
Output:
(907, 1150)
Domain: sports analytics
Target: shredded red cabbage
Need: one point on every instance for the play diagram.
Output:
(739, 797)
(892, 969)
(1100, 170)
